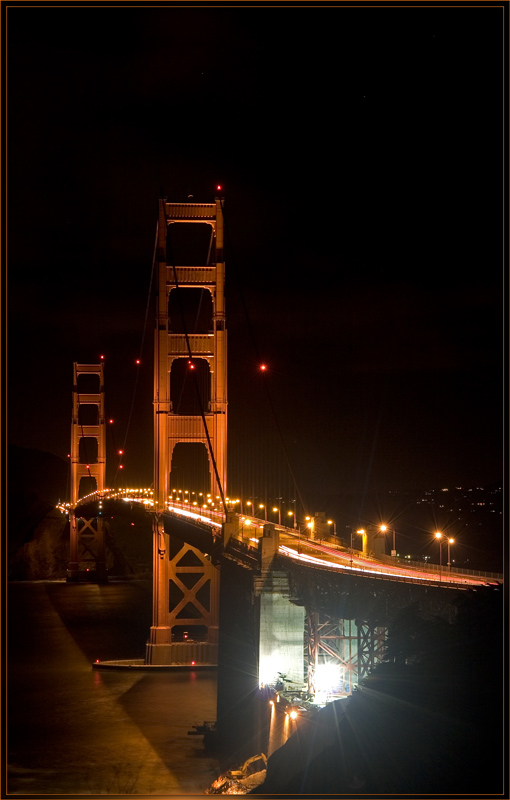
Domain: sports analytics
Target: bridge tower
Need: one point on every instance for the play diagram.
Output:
(174, 343)
(88, 461)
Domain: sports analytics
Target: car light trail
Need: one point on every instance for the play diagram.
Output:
(334, 558)
(182, 512)
(367, 568)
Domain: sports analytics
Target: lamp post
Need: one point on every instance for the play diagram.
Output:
(362, 533)
(293, 513)
(261, 505)
(330, 522)
(439, 536)
(385, 528)
(450, 541)
(275, 509)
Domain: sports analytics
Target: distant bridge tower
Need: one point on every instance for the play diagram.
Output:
(88, 462)
(178, 341)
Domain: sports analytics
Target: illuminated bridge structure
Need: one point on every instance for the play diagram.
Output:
(316, 613)
(321, 611)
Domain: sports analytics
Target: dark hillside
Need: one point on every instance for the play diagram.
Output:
(38, 534)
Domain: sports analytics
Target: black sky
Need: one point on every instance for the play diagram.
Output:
(360, 151)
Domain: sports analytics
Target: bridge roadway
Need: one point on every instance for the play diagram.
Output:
(293, 544)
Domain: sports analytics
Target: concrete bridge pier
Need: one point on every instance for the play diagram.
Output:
(281, 623)
(261, 635)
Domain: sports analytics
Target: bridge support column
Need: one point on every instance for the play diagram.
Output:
(185, 603)
(281, 623)
(160, 632)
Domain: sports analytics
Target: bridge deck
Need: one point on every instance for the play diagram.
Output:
(293, 544)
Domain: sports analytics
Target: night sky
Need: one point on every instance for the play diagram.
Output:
(360, 154)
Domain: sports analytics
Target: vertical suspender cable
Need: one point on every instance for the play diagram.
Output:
(273, 412)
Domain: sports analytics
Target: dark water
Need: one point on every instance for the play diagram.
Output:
(72, 729)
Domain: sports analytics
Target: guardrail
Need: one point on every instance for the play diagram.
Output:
(422, 566)
(425, 567)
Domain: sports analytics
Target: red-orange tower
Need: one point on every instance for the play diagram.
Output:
(88, 463)
(208, 427)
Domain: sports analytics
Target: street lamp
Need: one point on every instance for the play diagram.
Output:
(439, 536)
(261, 505)
(450, 541)
(330, 522)
(385, 528)
(293, 513)
(275, 509)
(361, 532)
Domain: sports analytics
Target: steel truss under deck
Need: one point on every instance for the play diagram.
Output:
(353, 646)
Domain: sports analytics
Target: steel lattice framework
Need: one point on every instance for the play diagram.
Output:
(351, 647)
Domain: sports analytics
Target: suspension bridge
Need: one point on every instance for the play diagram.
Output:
(321, 609)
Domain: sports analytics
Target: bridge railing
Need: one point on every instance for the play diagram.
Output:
(426, 567)
(401, 562)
